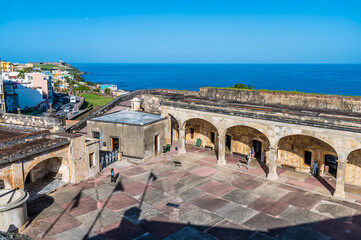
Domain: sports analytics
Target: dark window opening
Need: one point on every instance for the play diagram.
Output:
(192, 133)
(115, 144)
(213, 137)
(331, 165)
(228, 142)
(96, 135)
(156, 144)
(308, 157)
(257, 145)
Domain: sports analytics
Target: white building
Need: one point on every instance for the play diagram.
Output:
(2, 95)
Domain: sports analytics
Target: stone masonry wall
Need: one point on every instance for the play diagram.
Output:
(297, 101)
(53, 124)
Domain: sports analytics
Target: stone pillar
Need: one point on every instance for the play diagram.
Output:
(221, 150)
(272, 173)
(182, 140)
(340, 180)
(169, 130)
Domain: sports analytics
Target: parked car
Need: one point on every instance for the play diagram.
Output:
(73, 99)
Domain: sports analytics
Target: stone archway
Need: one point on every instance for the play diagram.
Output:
(46, 176)
(353, 168)
(245, 137)
(196, 128)
(174, 129)
(293, 151)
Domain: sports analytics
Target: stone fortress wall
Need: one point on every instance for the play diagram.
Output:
(345, 104)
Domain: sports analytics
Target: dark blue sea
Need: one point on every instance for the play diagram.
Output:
(343, 79)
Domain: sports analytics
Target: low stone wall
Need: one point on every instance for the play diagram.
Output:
(334, 103)
(53, 124)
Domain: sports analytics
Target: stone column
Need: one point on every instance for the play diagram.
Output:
(221, 150)
(182, 139)
(340, 180)
(169, 131)
(272, 173)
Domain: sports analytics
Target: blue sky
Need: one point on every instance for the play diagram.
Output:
(257, 31)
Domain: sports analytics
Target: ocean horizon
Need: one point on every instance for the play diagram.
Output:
(341, 79)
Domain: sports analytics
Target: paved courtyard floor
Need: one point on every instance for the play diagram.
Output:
(201, 201)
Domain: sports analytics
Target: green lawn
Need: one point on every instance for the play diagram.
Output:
(95, 100)
(45, 67)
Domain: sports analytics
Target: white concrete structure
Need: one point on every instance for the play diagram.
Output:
(13, 210)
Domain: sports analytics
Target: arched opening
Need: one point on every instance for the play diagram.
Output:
(46, 176)
(301, 152)
(201, 133)
(353, 168)
(244, 138)
(174, 129)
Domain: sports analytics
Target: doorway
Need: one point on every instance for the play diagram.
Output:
(156, 145)
(228, 142)
(331, 165)
(308, 158)
(213, 137)
(257, 145)
(115, 144)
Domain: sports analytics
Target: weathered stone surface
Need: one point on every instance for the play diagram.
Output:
(297, 216)
(241, 197)
(200, 219)
(236, 212)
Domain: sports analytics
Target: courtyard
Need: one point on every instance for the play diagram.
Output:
(201, 200)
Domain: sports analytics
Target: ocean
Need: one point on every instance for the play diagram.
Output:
(342, 79)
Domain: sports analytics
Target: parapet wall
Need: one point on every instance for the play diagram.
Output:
(334, 103)
(53, 124)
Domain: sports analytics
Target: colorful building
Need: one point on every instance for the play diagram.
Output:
(6, 66)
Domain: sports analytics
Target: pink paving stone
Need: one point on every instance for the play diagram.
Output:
(203, 171)
(60, 223)
(135, 188)
(210, 159)
(269, 206)
(80, 207)
(259, 171)
(216, 188)
(249, 185)
(205, 163)
(300, 184)
(133, 171)
(299, 200)
(118, 201)
(279, 170)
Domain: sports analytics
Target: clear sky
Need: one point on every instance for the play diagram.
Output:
(186, 31)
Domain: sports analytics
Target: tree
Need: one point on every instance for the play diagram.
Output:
(242, 86)
(107, 91)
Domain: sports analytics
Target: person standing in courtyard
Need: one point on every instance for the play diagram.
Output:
(263, 156)
(112, 175)
(252, 153)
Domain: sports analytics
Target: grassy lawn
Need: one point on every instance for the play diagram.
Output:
(45, 67)
(95, 100)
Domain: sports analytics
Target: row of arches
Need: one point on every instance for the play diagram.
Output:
(300, 151)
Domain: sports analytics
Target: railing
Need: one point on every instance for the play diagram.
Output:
(107, 157)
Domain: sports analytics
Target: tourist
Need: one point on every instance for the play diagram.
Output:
(315, 169)
(112, 175)
(263, 156)
(252, 153)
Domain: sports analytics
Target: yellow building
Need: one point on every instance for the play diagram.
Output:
(6, 66)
